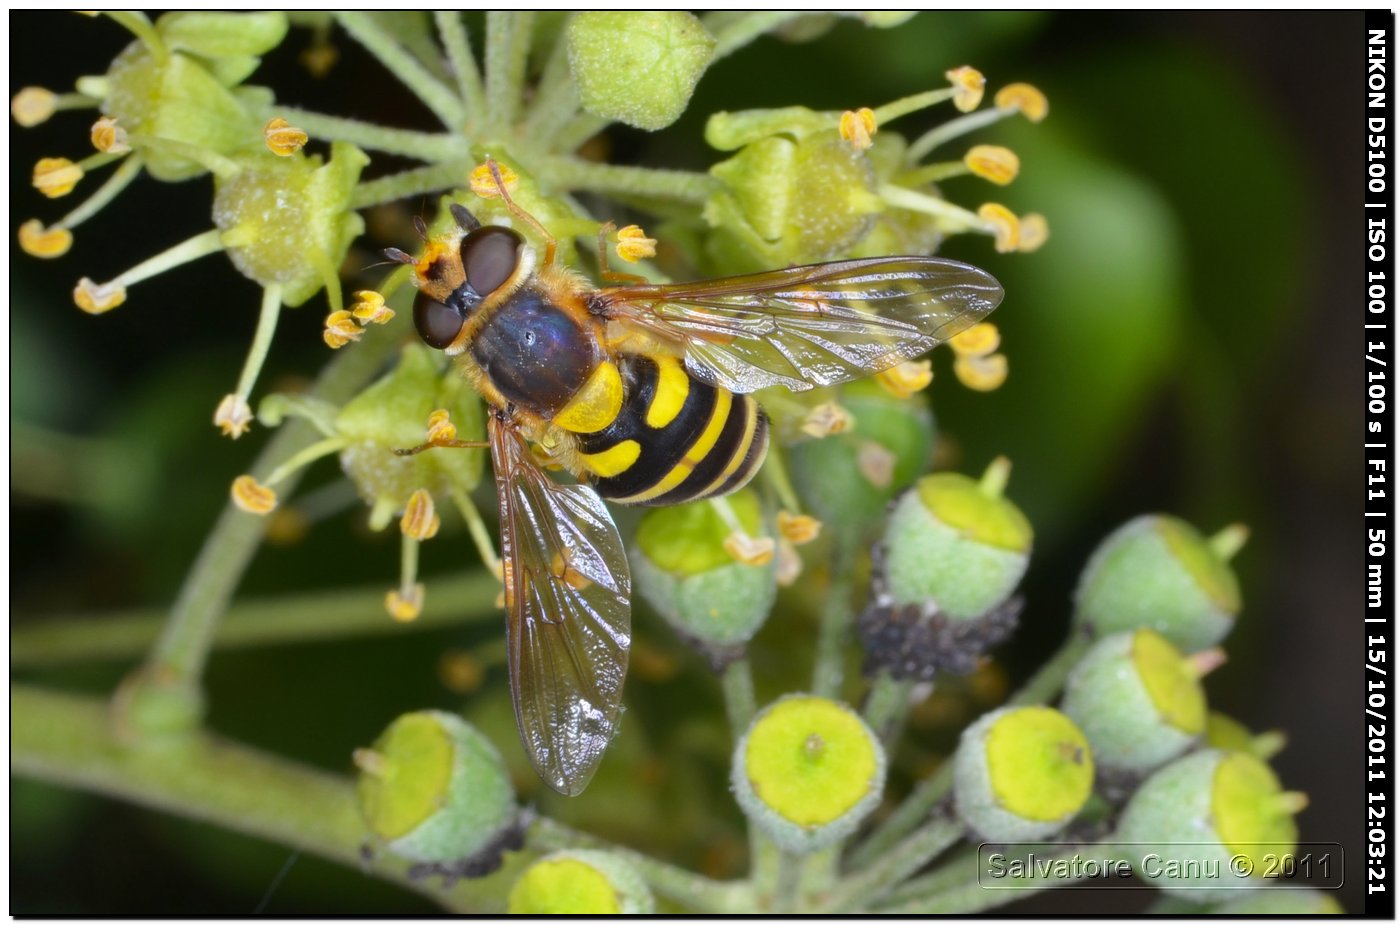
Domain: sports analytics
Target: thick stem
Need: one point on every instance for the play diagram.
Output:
(866, 887)
(887, 705)
(507, 48)
(738, 31)
(571, 173)
(319, 615)
(836, 616)
(959, 888)
(67, 740)
(737, 682)
(425, 146)
(459, 53)
(409, 183)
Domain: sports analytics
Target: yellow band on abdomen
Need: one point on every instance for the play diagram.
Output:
(698, 451)
(596, 404)
(613, 461)
(672, 389)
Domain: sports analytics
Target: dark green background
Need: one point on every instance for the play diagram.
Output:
(1187, 341)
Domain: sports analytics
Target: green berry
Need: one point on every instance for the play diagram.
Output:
(1138, 700)
(1021, 773)
(1158, 572)
(580, 883)
(433, 789)
(1191, 818)
(638, 67)
(808, 770)
(681, 568)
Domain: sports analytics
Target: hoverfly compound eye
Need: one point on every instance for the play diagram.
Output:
(490, 255)
(437, 323)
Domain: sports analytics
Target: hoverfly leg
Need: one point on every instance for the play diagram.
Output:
(605, 270)
(448, 444)
(551, 245)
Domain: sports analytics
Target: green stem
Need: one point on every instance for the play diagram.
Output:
(1042, 687)
(459, 52)
(128, 170)
(836, 617)
(183, 647)
(738, 31)
(408, 69)
(863, 889)
(425, 146)
(960, 889)
(951, 129)
(262, 340)
(67, 740)
(787, 888)
(887, 705)
(507, 48)
(572, 173)
(290, 619)
(556, 102)
(138, 25)
(201, 245)
(576, 131)
(737, 682)
(410, 183)
(694, 891)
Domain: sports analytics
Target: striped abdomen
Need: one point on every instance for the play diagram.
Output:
(676, 438)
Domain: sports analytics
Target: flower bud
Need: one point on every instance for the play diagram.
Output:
(682, 568)
(807, 771)
(1021, 773)
(638, 67)
(1220, 814)
(580, 883)
(848, 479)
(288, 220)
(1137, 699)
(393, 414)
(1157, 571)
(435, 790)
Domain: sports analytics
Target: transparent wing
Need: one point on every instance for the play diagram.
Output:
(568, 614)
(809, 326)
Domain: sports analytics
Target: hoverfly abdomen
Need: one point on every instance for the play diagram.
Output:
(675, 438)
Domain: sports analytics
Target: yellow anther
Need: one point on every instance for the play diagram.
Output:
(369, 308)
(319, 58)
(406, 604)
(340, 330)
(283, 138)
(483, 183)
(460, 671)
(968, 85)
(798, 529)
(56, 176)
(993, 162)
(252, 496)
(876, 464)
(907, 378)
(750, 550)
(564, 570)
(982, 374)
(1034, 232)
(38, 241)
(95, 298)
(420, 520)
(789, 564)
(32, 105)
(233, 416)
(859, 127)
(109, 137)
(977, 341)
(633, 244)
(1024, 97)
(1003, 223)
(826, 419)
(441, 429)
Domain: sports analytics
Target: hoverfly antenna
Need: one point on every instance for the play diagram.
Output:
(398, 256)
(465, 220)
(420, 226)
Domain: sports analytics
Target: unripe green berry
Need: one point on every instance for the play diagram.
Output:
(580, 883)
(1138, 700)
(1158, 572)
(1021, 773)
(957, 543)
(681, 568)
(1203, 810)
(807, 771)
(848, 479)
(433, 789)
(1229, 734)
(288, 220)
(392, 414)
(221, 35)
(638, 67)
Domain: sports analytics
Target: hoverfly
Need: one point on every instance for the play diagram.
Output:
(642, 393)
